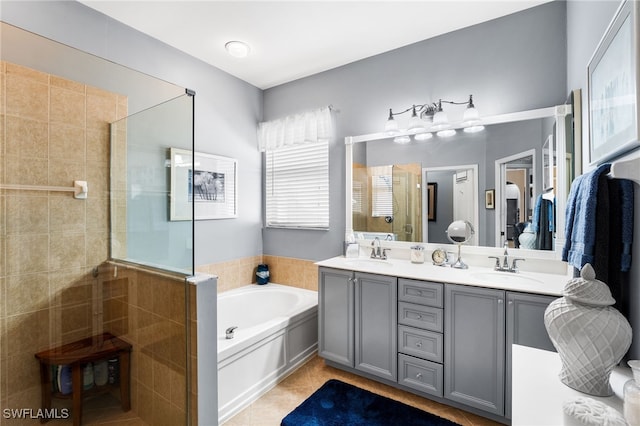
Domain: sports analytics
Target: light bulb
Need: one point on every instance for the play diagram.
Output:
(446, 133)
(440, 119)
(402, 139)
(471, 115)
(423, 136)
(474, 129)
(415, 123)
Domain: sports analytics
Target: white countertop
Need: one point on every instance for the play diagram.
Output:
(528, 282)
(538, 394)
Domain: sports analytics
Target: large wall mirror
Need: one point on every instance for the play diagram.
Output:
(495, 179)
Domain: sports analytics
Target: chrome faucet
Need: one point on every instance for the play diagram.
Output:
(229, 332)
(375, 248)
(376, 251)
(505, 261)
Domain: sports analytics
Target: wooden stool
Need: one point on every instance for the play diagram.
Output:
(75, 355)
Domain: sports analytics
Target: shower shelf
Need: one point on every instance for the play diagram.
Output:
(79, 188)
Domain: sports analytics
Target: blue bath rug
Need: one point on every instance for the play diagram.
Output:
(340, 404)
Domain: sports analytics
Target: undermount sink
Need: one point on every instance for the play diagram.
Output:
(363, 263)
(505, 278)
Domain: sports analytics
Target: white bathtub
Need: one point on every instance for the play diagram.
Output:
(277, 331)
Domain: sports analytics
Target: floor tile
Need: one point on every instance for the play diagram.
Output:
(272, 407)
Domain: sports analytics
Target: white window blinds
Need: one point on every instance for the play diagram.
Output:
(297, 186)
(382, 196)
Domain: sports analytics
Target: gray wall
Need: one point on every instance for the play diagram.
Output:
(586, 24)
(510, 64)
(226, 108)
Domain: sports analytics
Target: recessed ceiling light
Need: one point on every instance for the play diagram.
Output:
(237, 49)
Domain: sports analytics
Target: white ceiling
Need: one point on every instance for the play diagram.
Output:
(295, 39)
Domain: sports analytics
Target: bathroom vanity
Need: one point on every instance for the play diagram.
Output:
(442, 333)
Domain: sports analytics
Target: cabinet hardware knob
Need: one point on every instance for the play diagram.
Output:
(419, 317)
(500, 301)
(419, 376)
(419, 344)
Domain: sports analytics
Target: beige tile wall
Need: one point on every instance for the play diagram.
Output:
(147, 309)
(52, 131)
(282, 270)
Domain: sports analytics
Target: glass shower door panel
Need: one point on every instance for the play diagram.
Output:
(143, 230)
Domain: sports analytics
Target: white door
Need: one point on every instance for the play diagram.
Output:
(465, 199)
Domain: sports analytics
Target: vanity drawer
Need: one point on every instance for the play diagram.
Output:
(421, 375)
(420, 343)
(420, 316)
(421, 292)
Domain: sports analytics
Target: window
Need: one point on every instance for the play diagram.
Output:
(382, 196)
(297, 186)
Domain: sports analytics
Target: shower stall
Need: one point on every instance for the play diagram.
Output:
(97, 295)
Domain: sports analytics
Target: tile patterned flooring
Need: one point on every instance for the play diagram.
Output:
(282, 399)
(288, 394)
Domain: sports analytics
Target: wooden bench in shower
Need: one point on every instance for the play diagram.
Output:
(76, 355)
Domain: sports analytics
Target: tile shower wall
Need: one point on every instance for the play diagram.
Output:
(52, 131)
(147, 309)
(282, 270)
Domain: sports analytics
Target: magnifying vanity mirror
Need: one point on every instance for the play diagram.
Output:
(459, 232)
(411, 192)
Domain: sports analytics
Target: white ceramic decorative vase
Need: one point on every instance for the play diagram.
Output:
(590, 336)
(527, 240)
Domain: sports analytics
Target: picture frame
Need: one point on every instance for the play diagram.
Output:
(613, 86)
(210, 185)
(432, 196)
(490, 199)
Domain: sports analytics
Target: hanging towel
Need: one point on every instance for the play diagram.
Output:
(626, 195)
(580, 218)
(535, 219)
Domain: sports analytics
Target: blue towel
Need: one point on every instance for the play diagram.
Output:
(626, 187)
(580, 232)
(535, 219)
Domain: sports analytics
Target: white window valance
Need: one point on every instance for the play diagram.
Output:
(306, 127)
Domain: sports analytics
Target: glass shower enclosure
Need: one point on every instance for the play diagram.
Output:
(94, 292)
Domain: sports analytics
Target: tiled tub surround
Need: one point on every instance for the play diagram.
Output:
(52, 131)
(282, 270)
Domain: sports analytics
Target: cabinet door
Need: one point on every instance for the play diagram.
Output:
(474, 347)
(335, 315)
(525, 326)
(376, 325)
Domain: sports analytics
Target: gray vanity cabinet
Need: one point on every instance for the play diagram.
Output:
(357, 321)
(474, 347)
(525, 326)
(376, 301)
(336, 315)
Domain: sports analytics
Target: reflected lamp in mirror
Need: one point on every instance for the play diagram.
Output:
(429, 118)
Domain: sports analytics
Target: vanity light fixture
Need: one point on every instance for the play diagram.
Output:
(430, 117)
(237, 49)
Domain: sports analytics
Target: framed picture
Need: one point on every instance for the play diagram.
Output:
(432, 194)
(210, 185)
(490, 199)
(614, 86)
